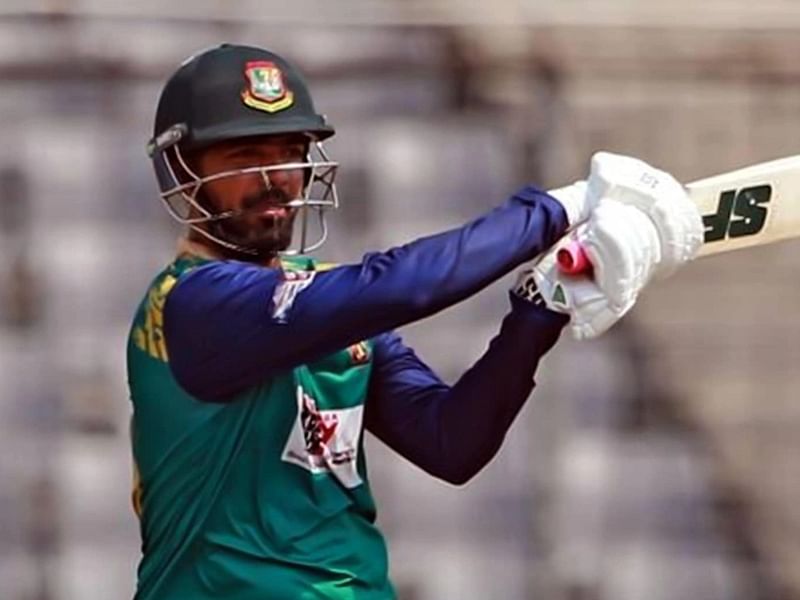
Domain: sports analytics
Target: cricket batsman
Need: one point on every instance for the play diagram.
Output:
(254, 369)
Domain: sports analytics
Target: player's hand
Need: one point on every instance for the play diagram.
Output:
(659, 195)
(624, 248)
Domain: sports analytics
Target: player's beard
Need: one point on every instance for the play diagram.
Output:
(262, 235)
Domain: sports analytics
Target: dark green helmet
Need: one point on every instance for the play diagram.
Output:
(226, 93)
(237, 91)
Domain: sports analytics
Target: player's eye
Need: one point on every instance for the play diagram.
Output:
(254, 157)
(243, 156)
(295, 154)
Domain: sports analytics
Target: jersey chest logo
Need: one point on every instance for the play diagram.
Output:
(325, 441)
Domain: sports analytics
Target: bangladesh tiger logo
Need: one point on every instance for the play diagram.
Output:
(266, 88)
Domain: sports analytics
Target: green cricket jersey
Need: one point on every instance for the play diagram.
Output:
(262, 497)
(259, 490)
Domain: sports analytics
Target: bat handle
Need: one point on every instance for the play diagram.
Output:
(572, 259)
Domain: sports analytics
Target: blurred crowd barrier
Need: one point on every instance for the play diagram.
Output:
(656, 462)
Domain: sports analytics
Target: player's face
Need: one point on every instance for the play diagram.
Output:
(265, 223)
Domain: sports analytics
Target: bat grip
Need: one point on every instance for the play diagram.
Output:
(572, 259)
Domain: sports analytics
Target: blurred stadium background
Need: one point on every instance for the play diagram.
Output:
(658, 462)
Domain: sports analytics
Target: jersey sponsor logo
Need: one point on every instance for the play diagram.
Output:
(318, 429)
(325, 441)
(290, 285)
(739, 213)
(266, 89)
(149, 336)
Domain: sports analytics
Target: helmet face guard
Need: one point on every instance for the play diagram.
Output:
(180, 187)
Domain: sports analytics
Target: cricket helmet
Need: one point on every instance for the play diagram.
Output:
(227, 93)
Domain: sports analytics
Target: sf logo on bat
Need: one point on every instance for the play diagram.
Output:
(740, 213)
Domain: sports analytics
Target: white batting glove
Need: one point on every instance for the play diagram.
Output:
(659, 195)
(577, 204)
(575, 295)
(623, 246)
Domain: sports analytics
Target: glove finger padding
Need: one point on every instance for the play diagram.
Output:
(681, 229)
(591, 313)
(623, 246)
(659, 195)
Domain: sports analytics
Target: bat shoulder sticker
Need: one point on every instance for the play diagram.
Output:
(739, 213)
(751, 206)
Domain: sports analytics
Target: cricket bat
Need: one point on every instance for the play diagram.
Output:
(746, 207)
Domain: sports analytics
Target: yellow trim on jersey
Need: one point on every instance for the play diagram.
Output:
(325, 266)
(150, 336)
(136, 491)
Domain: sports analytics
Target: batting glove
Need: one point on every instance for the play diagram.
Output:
(623, 246)
(658, 195)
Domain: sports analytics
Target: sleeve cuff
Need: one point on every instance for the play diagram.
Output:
(536, 314)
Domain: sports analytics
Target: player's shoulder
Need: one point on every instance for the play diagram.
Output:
(207, 280)
(146, 333)
(166, 279)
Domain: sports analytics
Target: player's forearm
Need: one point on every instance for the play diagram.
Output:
(487, 398)
(453, 432)
(411, 282)
(224, 335)
(434, 272)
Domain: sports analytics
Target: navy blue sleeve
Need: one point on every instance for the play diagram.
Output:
(229, 325)
(453, 432)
